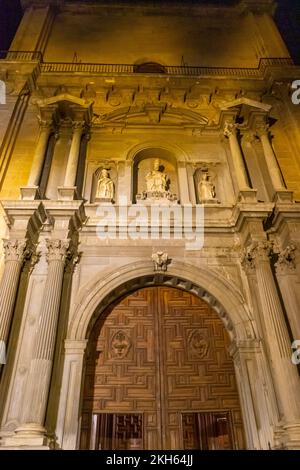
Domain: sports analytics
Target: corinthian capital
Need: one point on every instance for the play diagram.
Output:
(229, 128)
(57, 250)
(78, 125)
(15, 250)
(286, 260)
(45, 123)
(255, 253)
(262, 128)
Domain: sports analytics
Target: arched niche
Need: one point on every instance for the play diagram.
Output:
(112, 171)
(143, 163)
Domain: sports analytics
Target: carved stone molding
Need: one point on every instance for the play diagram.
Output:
(57, 250)
(15, 250)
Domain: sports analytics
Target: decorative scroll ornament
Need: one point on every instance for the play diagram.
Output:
(120, 345)
(286, 260)
(160, 261)
(15, 250)
(198, 344)
(57, 250)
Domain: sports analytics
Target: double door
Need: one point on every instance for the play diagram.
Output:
(159, 376)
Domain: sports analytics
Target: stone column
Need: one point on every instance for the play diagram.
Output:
(15, 253)
(262, 131)
(287, 280)
(68, 191)
(286, 379)
(245, 192)
(32, 431)
(183, 183)
(31, 190)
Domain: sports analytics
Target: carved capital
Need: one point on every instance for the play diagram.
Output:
(229, 128)
(286, 263)
(45, 124)
(261, 129)
(255, 253)
(15, 250)
(57, 250)
(78, 126)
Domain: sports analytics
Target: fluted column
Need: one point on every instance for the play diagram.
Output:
(238, 161)
(288, 280)
(71, 171)
(31, 190)
(287, 384)
(262, 132)
(15, 252)
(37, 389)
(39, 154)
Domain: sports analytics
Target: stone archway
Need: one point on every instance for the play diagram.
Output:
(252, 373)
(159, 376)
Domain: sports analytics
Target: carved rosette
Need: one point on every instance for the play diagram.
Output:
(15, 250)
(57, 250)
(286, 263)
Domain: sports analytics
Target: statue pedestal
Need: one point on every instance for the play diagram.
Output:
(104, 200)
(210, 201)
(157, 198)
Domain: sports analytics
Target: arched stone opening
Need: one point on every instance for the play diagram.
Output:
(159, 375)
(259, 409)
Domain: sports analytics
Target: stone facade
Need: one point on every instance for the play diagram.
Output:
(92, 87)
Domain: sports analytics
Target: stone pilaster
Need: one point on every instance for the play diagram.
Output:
(245, 192)
(68, 191)
(286, 379)
(288, 280)
(31, 191)
(281, 193)
(15, 253)
(32, 431)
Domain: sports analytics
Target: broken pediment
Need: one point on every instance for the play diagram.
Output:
(151, 115)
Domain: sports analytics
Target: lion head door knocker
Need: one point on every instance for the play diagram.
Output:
(198, 344)
(120, 345)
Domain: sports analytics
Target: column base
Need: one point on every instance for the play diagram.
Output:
(27, 435)
(247, 195)
(30, 193)
(283, 196)
(67, 193)
(287, 436)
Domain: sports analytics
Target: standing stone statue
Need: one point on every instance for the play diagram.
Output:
(105, 187)
(156, 180)
(206, 189)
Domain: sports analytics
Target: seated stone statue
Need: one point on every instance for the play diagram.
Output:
(206, 189)
(105, 187)
(156, 180)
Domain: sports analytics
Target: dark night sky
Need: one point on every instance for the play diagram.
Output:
(287, 18)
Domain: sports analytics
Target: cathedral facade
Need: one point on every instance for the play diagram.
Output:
(150, 227)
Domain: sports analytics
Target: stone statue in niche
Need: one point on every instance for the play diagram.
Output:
(105, 187)
(157, 186)
(206, 189)
(156, 180)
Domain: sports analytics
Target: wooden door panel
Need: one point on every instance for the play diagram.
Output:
(160, 352)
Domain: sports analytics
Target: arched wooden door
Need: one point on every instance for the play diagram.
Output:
(159, 376)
